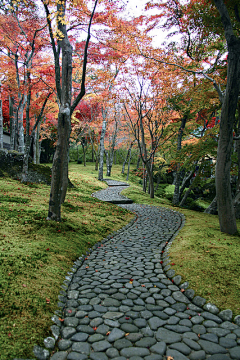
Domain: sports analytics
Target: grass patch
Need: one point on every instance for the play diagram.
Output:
(36, 254)
(204, 256)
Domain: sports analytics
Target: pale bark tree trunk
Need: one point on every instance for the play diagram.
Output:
(12, 124)
(20, 124)
(28, 139)
(101, 152)
(1, 126)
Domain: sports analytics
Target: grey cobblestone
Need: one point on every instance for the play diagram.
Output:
(119, 303)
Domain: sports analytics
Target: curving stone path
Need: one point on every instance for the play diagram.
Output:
(123, 301)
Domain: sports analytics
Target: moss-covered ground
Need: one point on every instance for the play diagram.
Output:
(35, 254)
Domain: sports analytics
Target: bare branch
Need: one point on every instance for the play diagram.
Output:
(82, 91)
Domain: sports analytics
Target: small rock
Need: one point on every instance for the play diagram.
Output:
(60, 355)
(199, 301)
(211, 308)
(40, 353)
(226, 315)
(237, 320)
(49, 342)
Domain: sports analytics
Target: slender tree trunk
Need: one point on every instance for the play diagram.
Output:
(12, 124)
(27, 142)
(185, 180)
(129, 163)
(176, 195)
(112, 149)
(97, 158)
(15, 115)
(190, 187)
(84, 154)
(212, 209)
(36, 146)
(20, 124)
(108, 163)
(101, 155)
(144, 179)
(126, 158)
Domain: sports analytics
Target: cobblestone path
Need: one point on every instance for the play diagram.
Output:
(124, 303)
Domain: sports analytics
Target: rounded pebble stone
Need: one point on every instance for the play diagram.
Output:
(119, 304)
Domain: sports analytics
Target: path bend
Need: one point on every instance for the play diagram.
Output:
(124, 303)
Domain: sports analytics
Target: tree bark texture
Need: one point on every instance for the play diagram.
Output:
(212, 209)
(101, 151)
(226, 212)
(12, 124)
(59, 181)
(20, 124)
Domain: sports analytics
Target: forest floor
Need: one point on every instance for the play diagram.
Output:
(37, 254)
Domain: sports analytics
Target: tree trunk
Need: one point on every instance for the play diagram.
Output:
(101, 155)
(129, 163)
(59, 181)
(28, 142)
(108, 163)
(150, 177)
(176, 195)
(1, 126)
(226, 212)
(12, 124)
(20, 124)
(84, 152)
(97, 159)
(144, 179)
(36, 146)
(212, 209)
(126, 158)
(190, 187)
(60, 165)
(185, 180)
